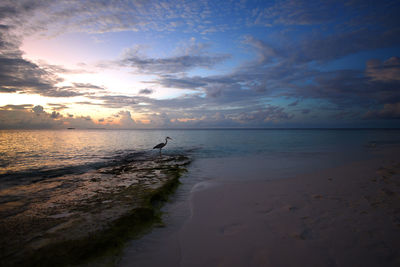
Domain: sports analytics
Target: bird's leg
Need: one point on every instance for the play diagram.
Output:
(160, 152)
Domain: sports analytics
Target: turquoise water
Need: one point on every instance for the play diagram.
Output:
(31, 153)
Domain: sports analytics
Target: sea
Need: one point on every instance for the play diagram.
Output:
(29, 157)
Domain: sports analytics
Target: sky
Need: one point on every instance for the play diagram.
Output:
(199, 64)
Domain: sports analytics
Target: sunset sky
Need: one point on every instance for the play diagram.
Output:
(195, 64)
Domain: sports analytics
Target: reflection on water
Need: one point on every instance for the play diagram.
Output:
(32, 150)
(25, 150)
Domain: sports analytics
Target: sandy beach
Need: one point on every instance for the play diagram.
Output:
(343, 216)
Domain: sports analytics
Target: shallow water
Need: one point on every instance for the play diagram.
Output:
(38, 150)
(31, 156)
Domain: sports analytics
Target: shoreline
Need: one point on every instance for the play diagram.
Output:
(338, 216)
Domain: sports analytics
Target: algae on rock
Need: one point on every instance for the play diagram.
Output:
(92, 214)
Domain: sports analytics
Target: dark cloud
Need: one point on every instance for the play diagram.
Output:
(175, 64)
(268, 114)
(87, 86)
(214, 91)
(389, 111)
(295, 12)
(386, 71)
(346, 115)
(273, 75)
(323, 48)
(294, 103)
(85, 103)
(16, 107)
(55, 115)
(20, 75)
(146, 91)
(295, 72)
(57, 107)
(53, 17)
(116, 101)
(289, 61)
(23, 76)
(306, 13)
(347, 88)
(266, 52)
(38, 109)
(182, 83)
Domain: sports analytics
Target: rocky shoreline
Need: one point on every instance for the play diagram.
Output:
(76, 219)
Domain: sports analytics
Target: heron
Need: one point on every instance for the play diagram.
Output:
(161, 145)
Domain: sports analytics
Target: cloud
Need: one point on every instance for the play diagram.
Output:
(55, 17)
(289, 61)
(294, 103)
(116, 101)
(266, 52)
(181, 83)
(125, 119)
(268, 114)
(55, 115)
(389, 111)
(349, 88)
(337, 45)
(87, 86)
(57, 69)
(38, 109)
(278, 73)
(33, 118)
(306, 13)
(16, 107)
(295, 13)
(160, 120)
(23, 76)
(321, 47)
(57, 107)
(146, 91)
(19, 75)
(228, 118)
(386, 71)
(174, 64)
(28, 117)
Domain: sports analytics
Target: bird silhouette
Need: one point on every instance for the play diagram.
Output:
(161, 145)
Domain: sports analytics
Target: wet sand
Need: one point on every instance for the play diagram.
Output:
(342, 216)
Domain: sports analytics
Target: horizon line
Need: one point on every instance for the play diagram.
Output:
(218, 128)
